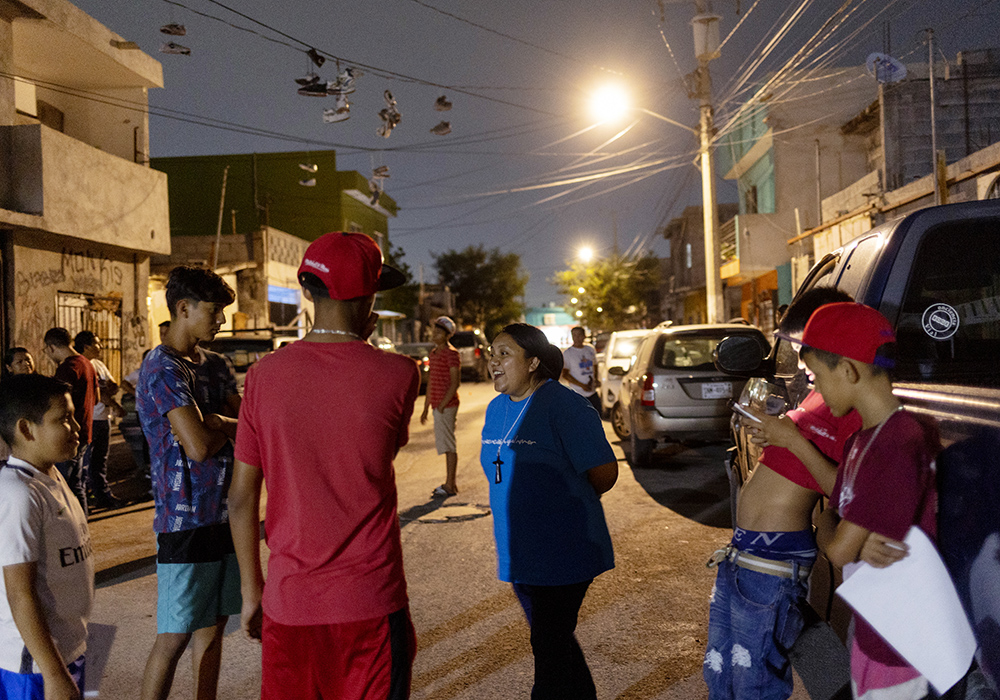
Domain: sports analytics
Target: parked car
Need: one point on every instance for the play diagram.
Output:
(618, 352)
(245, 347)
(471, 346)
(421, 352)
(935, 274)
(673, 392)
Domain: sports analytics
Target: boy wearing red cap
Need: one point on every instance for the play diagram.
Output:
(442, 395)
(321, 421)
(886, 483)
(760, 590)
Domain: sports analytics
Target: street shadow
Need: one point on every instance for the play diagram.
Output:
(690, 480)
(418, 511)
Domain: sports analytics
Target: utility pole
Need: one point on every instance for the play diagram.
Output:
(938, 194)
(218, 229)
(706, 47)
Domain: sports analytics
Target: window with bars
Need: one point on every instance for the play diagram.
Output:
(102, 315)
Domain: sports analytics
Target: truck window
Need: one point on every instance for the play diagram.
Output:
(858, 264)
(949, 323)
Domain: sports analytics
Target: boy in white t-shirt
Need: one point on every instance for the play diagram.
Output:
(45, 551)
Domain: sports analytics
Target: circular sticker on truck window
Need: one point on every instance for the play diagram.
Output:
(940, 321)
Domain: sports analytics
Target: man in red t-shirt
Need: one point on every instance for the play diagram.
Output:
(442, 395)
(320, 424)
(76, 370)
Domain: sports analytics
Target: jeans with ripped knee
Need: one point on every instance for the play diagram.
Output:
(754, 619)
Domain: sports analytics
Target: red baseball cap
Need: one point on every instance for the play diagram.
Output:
(349, 265)
(850, 330)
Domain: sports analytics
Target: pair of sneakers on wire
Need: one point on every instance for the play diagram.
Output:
(346, 82)
(341, 112)
(376, 187)
(442, 104)
(170, 47)
(389, 115)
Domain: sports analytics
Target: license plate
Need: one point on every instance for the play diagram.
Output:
(717, 390)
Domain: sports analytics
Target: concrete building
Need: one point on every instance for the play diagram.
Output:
(968, 96)
(80, 210)
(787, 152)
(682, 268)
(274, 205)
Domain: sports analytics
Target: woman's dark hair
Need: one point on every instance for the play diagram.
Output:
(8, 360)
(535, 344)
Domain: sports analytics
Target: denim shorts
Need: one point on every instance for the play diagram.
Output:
(754, 619)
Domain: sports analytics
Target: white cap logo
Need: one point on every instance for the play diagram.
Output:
(318, 265)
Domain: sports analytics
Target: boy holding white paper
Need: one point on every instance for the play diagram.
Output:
(886, 482)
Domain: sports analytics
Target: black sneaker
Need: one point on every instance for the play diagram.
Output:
(171, 47)
(308, 79)
(174, 29)
(442, 104)
(108, 501)
(314, 90)
(442, 129)
(316, 58)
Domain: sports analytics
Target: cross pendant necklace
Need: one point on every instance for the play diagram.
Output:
(498, 477)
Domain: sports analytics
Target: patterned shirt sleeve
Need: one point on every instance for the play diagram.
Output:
(170, 385)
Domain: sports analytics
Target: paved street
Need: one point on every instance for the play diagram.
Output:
(642, 625)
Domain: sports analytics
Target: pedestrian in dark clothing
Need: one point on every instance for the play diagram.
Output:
(76, 370)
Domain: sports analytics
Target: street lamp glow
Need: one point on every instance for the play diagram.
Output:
(580, 290)
(574, 300)
(585, 254)
(609, 103)
(579, 313)
(600, 310)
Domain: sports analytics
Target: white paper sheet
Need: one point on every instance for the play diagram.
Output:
(914, 606)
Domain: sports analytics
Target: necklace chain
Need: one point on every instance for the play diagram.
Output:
(499, 462)
(336, 331)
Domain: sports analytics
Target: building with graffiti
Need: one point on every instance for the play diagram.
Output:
(80, 210)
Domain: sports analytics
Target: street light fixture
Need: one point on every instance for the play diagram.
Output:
(706, 39)
(585, 254)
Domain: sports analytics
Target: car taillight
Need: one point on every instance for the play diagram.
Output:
(648, 393)
(479, 352)
(426, 363)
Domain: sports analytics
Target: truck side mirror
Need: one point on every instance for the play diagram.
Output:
(738, 355)
(617, 371)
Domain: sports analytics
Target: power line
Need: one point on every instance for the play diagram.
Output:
(384, 72)
(515, 39)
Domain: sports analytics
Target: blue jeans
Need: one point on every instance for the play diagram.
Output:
(753, 621)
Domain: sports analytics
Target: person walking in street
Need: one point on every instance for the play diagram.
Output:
(548, 462)
(321, 422)
(96, 460)
(579, 361)
(76, 370)
(442, 395)
(187, 402)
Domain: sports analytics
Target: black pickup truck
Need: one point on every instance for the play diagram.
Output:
(935, 274)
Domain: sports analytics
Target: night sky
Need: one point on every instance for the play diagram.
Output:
(520, 83)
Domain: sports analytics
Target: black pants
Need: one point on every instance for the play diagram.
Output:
(561, 671)
(75, 472)
(97, 459)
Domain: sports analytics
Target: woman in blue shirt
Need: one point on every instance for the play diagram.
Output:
(548, 462)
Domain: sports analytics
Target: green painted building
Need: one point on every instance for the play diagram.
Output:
(263, 189)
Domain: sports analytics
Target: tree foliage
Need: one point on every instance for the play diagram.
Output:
(486, 284)
(618, 286)
(403, 299)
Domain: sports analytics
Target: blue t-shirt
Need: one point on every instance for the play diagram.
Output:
(188, 494)
(547, 518)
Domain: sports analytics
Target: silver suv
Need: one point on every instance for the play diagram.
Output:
(471, 346)
(673, 391)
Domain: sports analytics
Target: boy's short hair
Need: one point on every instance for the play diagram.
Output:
(851, 330)
(197, 284)
(57, 337)
(27, 396)
(84, 339)
(798, 312)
